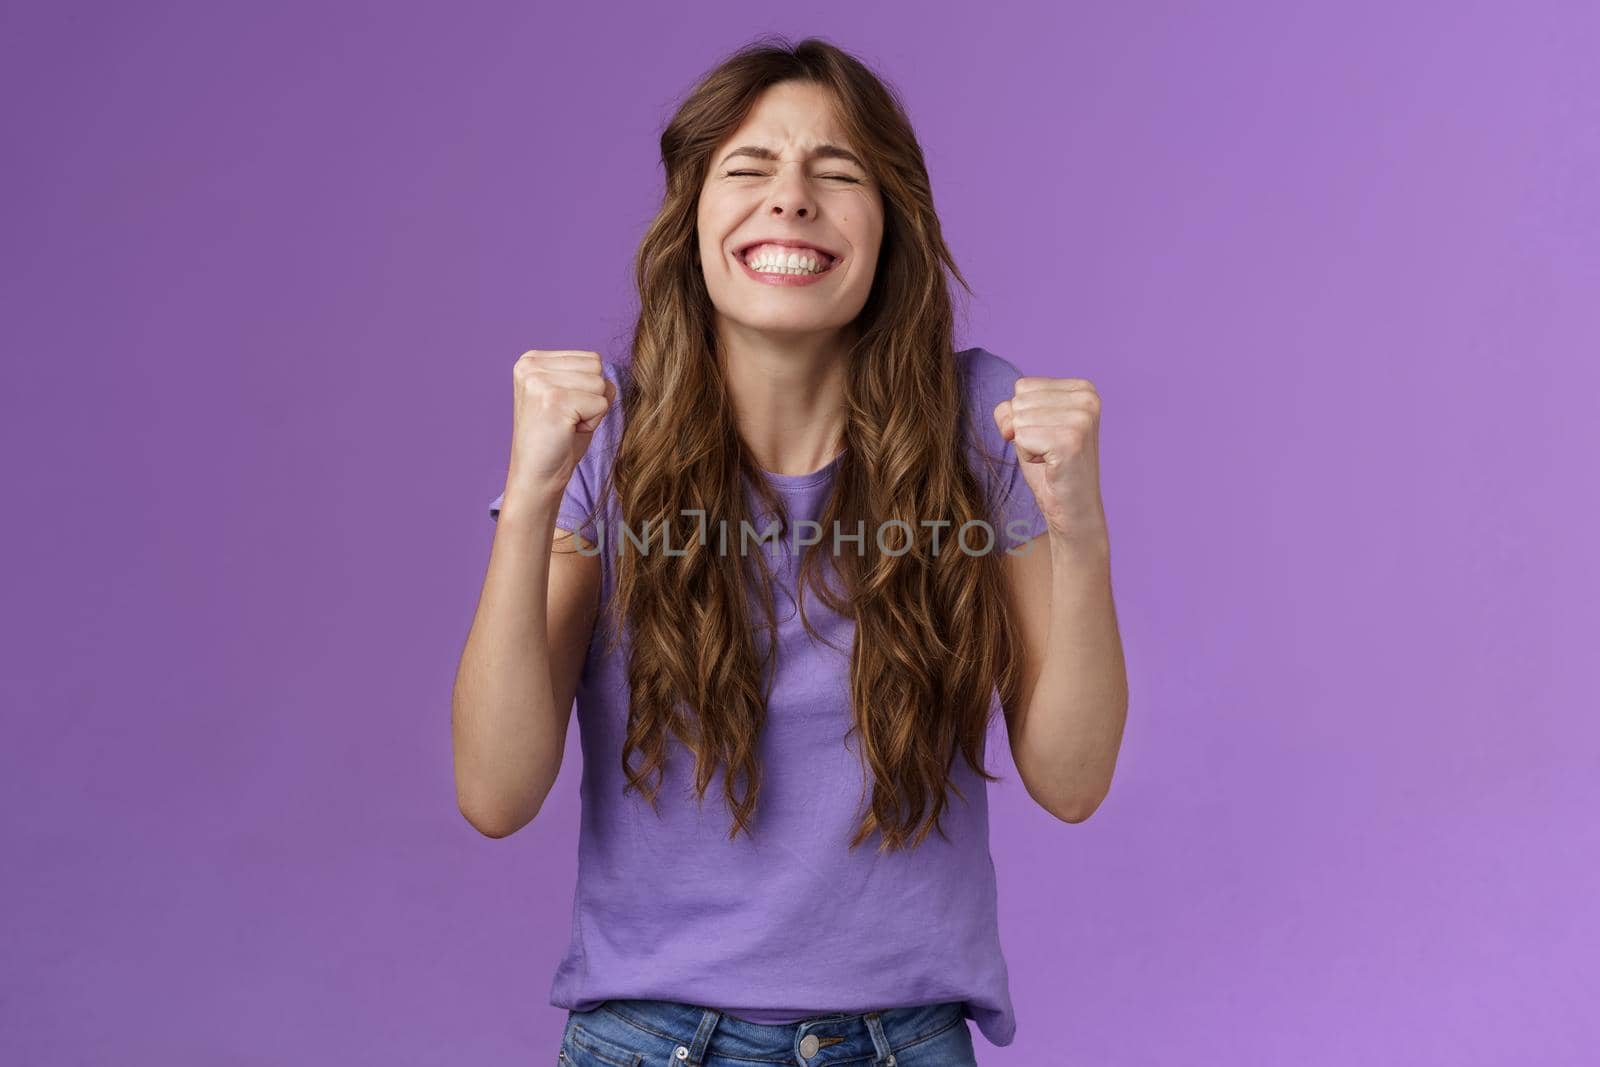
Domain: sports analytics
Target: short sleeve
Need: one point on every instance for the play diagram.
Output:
(990, 379)
(577, 510)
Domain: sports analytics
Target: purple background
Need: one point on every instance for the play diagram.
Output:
(1335, 271)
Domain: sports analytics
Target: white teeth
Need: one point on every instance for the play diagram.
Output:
(774, 262)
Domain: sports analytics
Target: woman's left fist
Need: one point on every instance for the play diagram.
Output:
(1054, 424)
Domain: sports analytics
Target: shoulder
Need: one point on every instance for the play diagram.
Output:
(986, 379)
(614, 367)
(987, 374)
(617, 371)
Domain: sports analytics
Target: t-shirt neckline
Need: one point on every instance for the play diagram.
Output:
(802, 481)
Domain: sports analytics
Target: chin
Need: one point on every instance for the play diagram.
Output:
(788, 324)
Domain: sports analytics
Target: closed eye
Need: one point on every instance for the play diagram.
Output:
(757, 174)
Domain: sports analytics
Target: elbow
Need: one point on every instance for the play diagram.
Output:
(1073, 813)
(484, 826)
(490, 830)
(493, 824)
(1075, 808)
(498, 812)
(1072, 796)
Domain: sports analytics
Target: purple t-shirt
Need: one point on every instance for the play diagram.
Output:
(788, 923)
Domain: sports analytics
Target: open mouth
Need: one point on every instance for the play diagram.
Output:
(781, 259)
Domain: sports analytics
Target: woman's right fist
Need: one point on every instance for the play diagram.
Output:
(560, 397)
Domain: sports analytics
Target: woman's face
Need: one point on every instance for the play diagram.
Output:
(780, 177)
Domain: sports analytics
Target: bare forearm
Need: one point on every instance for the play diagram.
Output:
(506, 732)
(1079, 702)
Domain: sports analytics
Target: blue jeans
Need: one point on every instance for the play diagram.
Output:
(665, 1033)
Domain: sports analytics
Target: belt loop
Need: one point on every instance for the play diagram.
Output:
(879, 1042)
(702, 1036)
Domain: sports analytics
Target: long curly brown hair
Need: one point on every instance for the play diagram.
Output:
(933, 639)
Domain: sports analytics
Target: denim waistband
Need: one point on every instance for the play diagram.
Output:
(690, 1033)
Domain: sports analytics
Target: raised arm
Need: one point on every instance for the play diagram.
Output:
(519, 669)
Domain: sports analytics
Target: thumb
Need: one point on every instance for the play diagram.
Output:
(589, 422)
(1002, 419)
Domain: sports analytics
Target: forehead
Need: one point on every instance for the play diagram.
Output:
(791, 115)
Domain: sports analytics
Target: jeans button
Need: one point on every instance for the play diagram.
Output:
(809, 1045)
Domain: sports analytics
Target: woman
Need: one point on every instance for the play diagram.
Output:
(792, 375)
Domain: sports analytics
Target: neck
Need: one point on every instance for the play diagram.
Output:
(788, 394)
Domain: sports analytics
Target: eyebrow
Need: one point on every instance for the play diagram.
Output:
(826, 151)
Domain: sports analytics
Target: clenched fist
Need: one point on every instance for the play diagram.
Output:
(560, 397)
(1054, 424)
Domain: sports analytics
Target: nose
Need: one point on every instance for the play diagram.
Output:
(790, 192)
